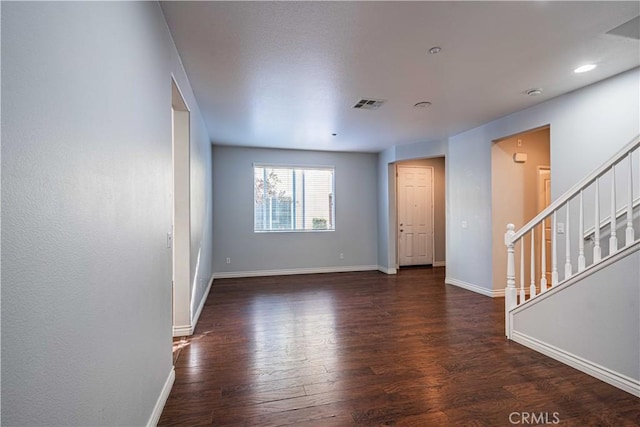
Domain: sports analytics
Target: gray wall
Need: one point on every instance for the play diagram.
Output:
(86, 176)
(590, 124)
(355, 205)
(602, 325)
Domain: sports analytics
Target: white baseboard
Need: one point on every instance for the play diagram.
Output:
(469, 286)
(182, 331)
(288, 272)
(162, 399)
(497, 293)
(439, 263)
(616, 379)
(386, 270)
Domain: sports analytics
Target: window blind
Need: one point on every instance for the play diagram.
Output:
(293, 198)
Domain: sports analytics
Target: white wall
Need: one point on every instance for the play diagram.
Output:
(355, 207)
(86, 177)
(587, 127)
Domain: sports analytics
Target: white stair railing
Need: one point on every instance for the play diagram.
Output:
(624, 162)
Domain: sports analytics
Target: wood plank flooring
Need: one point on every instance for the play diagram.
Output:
(373, 350)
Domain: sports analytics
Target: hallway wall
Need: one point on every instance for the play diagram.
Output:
(86, 207)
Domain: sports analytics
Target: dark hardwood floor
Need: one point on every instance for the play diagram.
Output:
(374, 350)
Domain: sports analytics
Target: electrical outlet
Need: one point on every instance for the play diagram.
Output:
(228, 260)
(464, 224)
(341, 255)
(560, 228)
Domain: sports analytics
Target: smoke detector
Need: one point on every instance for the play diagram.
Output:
(369, 104)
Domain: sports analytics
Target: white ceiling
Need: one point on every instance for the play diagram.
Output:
(287, 74)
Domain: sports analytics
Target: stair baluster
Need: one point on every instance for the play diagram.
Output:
(613, 239)
(523, 296)
(581, 259)
(568, 269)
(510, 294)
(532, 288)
(543, 259)
(629, 233)
(554, 251)
(597, 252)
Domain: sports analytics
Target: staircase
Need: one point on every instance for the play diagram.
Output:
(577, 265)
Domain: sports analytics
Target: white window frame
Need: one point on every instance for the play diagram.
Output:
(332, 212)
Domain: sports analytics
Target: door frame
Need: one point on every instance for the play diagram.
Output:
(181, 212)
(431, 198)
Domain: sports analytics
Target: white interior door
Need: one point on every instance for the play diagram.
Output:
(415, 215)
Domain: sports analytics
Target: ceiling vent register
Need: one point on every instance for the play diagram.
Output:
(369, 104)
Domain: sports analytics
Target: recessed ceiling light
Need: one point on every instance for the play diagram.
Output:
(585, 68)
(534, 92)
(435, 49)
(422, 104)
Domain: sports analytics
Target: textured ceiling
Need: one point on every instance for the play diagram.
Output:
(287, 74)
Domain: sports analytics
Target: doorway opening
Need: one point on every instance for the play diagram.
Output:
(520, 189)
(181, 262)
(419, 214)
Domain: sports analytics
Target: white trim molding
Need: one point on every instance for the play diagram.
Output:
(497, 293)
(386, 270)
(469, 286)
(182, 330)
(616, 379)
(292, 271)
(162, 399)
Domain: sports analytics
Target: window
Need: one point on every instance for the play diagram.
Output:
(291, 198)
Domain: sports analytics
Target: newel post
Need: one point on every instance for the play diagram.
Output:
(510, 293)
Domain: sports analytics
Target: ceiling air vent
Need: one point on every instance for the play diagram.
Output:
(369, 104)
